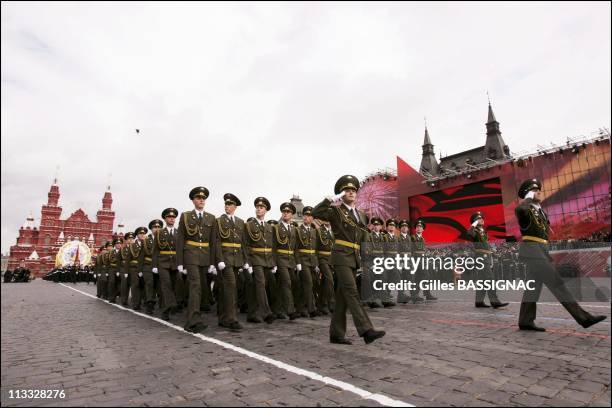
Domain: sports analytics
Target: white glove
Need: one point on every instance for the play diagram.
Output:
(125, 275)
(475, 223)
(298, 267)
(274, 269)
(180, 268)
(140, 274)
(212, 268)
(183, 271)
(246, 266)
(107, 274)
(94, 275)
(250, 269)
(154, 270)
(336, 196)
(221, 266)
(117, 274)
(317, 270)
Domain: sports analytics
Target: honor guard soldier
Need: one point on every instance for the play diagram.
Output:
(421, 274)
(100, 274)
(260, 241)
(114, 270)
(285, 244)
(230, 256)
(306, 264)
(106, 269)
(350, 230)
(164, 261)
(151, 290)
(404, 248)
(128, 239)
(391, 250)
(325, 241)
(130, 266)
(477, 234)
(374, 249)
(533, 251)
(195, 255)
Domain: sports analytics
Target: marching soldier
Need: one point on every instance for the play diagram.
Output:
(102, 281)
(271, 276)
(535, 228)
(285, 244)
(325, 241)
(195, 255)
(374, 249)
(350, 230)
(403, 246)
(151, 290)
(128, 239)
(306, 263)
(260, 241)
(421, 274)
(230, 256)
(164, 261)
(478, 236)
(114, 269)
(391, 250)
(130, 264)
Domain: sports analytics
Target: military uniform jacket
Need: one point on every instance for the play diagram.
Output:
(106, 263)
(98, 267)
(164, 250)
(195, 241)
(325, 242)
(391, 247)
(418, 244)
(404, 244)
(285, 246)
(377, 244)
(306, 244)
(131, 257)
(260, 244)
(534, 227)
(114, 260)
(348, 233)
(480, 239)
(230, 245)
(145, 258)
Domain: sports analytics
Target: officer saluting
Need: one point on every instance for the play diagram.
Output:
(350, 230)
(195, 255)
(230, 256)
(164, 260)
(535, 227)
(478, 236)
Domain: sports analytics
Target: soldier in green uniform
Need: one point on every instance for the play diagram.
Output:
(132, 252)
(350, 230)
(195, 255)
(285, 245)
(260, 241)
(421, 274)
(325, 241)
(306, 263)
(533, 250)
(114, 269)
(230, 255)
(376, 241)
(101, 280)
(124, 276)
(390, 251)
(404, 248)
(477, 234)
(164, 261)
(144, 264)
(271, 277)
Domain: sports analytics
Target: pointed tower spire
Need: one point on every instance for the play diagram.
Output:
(495, 147)
(429, 164)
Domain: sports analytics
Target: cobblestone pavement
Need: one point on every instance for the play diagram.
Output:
(440, 353)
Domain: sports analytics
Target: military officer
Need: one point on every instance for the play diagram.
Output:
(164, 261)
(101, 281)
(533, 250)
(375, 248)
(421, 273)
(390, 250)
(403, 246)
(307, 265)
(151, 290)
(130, 265)
(477, 234)
(230, 255)
(350, 230)
(285, 245)
(128, 239)
(325, 241)
(195, 255)
(114, 269)
(260, 241)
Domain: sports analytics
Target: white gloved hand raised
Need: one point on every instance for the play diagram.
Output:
(221, 266)
(154, 270)
(298, 267)
(475, 223)
(336, 197)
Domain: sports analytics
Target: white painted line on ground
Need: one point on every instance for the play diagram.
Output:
(587, 304)
(380, 398)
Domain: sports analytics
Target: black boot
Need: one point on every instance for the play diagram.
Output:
(592, 320)
(372, 335)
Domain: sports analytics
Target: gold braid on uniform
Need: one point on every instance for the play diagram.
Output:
(190, 231)
(223, 234)
(146, 248)
(278, 238)
(162, 244)
(135, 255)
(537, 220)
(350, 221)
(254, 236)
(323, 241)
(306, 244)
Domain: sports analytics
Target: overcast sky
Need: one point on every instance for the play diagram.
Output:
(276, 99)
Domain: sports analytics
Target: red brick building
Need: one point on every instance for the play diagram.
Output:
(37, 247)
